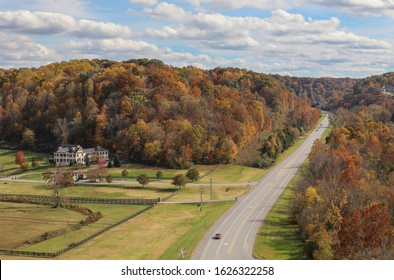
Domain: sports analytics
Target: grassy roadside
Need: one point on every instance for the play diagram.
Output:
(279, 237)
(189, 240)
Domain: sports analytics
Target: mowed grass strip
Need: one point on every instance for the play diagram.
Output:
(149, 235)
(279, 237)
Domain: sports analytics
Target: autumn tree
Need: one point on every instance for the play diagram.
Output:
(193, 174)
(28, 138)
(367, 234)
(124, 173)
(179, 180)
(143, 179)
(59, 179)
(20, 158)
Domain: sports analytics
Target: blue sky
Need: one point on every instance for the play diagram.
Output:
(316, 38)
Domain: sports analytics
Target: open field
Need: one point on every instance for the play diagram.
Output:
(11, 187)
(111, 214)
(22, 223)
(192, 193)
(8, 167)
(232, 174)
(152, 234)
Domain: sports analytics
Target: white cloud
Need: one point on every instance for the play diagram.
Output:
(361, 8)
(75, 8)
(19, 50)
(214, 30)
(45, 23)
(237, 4)
(78, 8)
(143, 2)
(218, 31)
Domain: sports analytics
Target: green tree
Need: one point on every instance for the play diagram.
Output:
(108, 178)
(87, 161)
(159, 175)
(143, 179)
(193, 174)
(179, 180)
(117, 162)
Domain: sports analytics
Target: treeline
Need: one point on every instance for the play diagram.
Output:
(344, 204)
(149, 112)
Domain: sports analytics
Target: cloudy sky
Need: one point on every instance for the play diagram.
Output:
(301, 38)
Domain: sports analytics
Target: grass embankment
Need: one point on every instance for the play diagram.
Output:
(279, 237)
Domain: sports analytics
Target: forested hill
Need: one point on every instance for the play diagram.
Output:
(150, 112)
(325, 93)
(344, 202)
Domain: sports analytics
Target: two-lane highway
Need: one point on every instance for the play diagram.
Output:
(240, 224)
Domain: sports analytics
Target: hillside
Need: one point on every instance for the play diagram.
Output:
(324, 93)
(149, 112)
(344, 203)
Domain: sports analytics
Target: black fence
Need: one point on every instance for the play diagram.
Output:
(44, 198)
(72, 245)
(168, 197)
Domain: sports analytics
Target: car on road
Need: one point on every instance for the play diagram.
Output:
(217, 236)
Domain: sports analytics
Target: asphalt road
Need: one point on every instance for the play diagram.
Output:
(240, 224)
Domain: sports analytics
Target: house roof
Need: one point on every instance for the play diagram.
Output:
(95, 149)
(72, 148)
(67, 148)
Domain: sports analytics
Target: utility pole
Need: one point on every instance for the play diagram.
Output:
(201, 190)
(210, 180)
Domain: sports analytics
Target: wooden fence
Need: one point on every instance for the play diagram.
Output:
(44, 198)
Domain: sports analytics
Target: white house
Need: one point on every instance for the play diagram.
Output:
(75, 154)
(95, 153)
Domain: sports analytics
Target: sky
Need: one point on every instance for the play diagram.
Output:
(316, 38)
